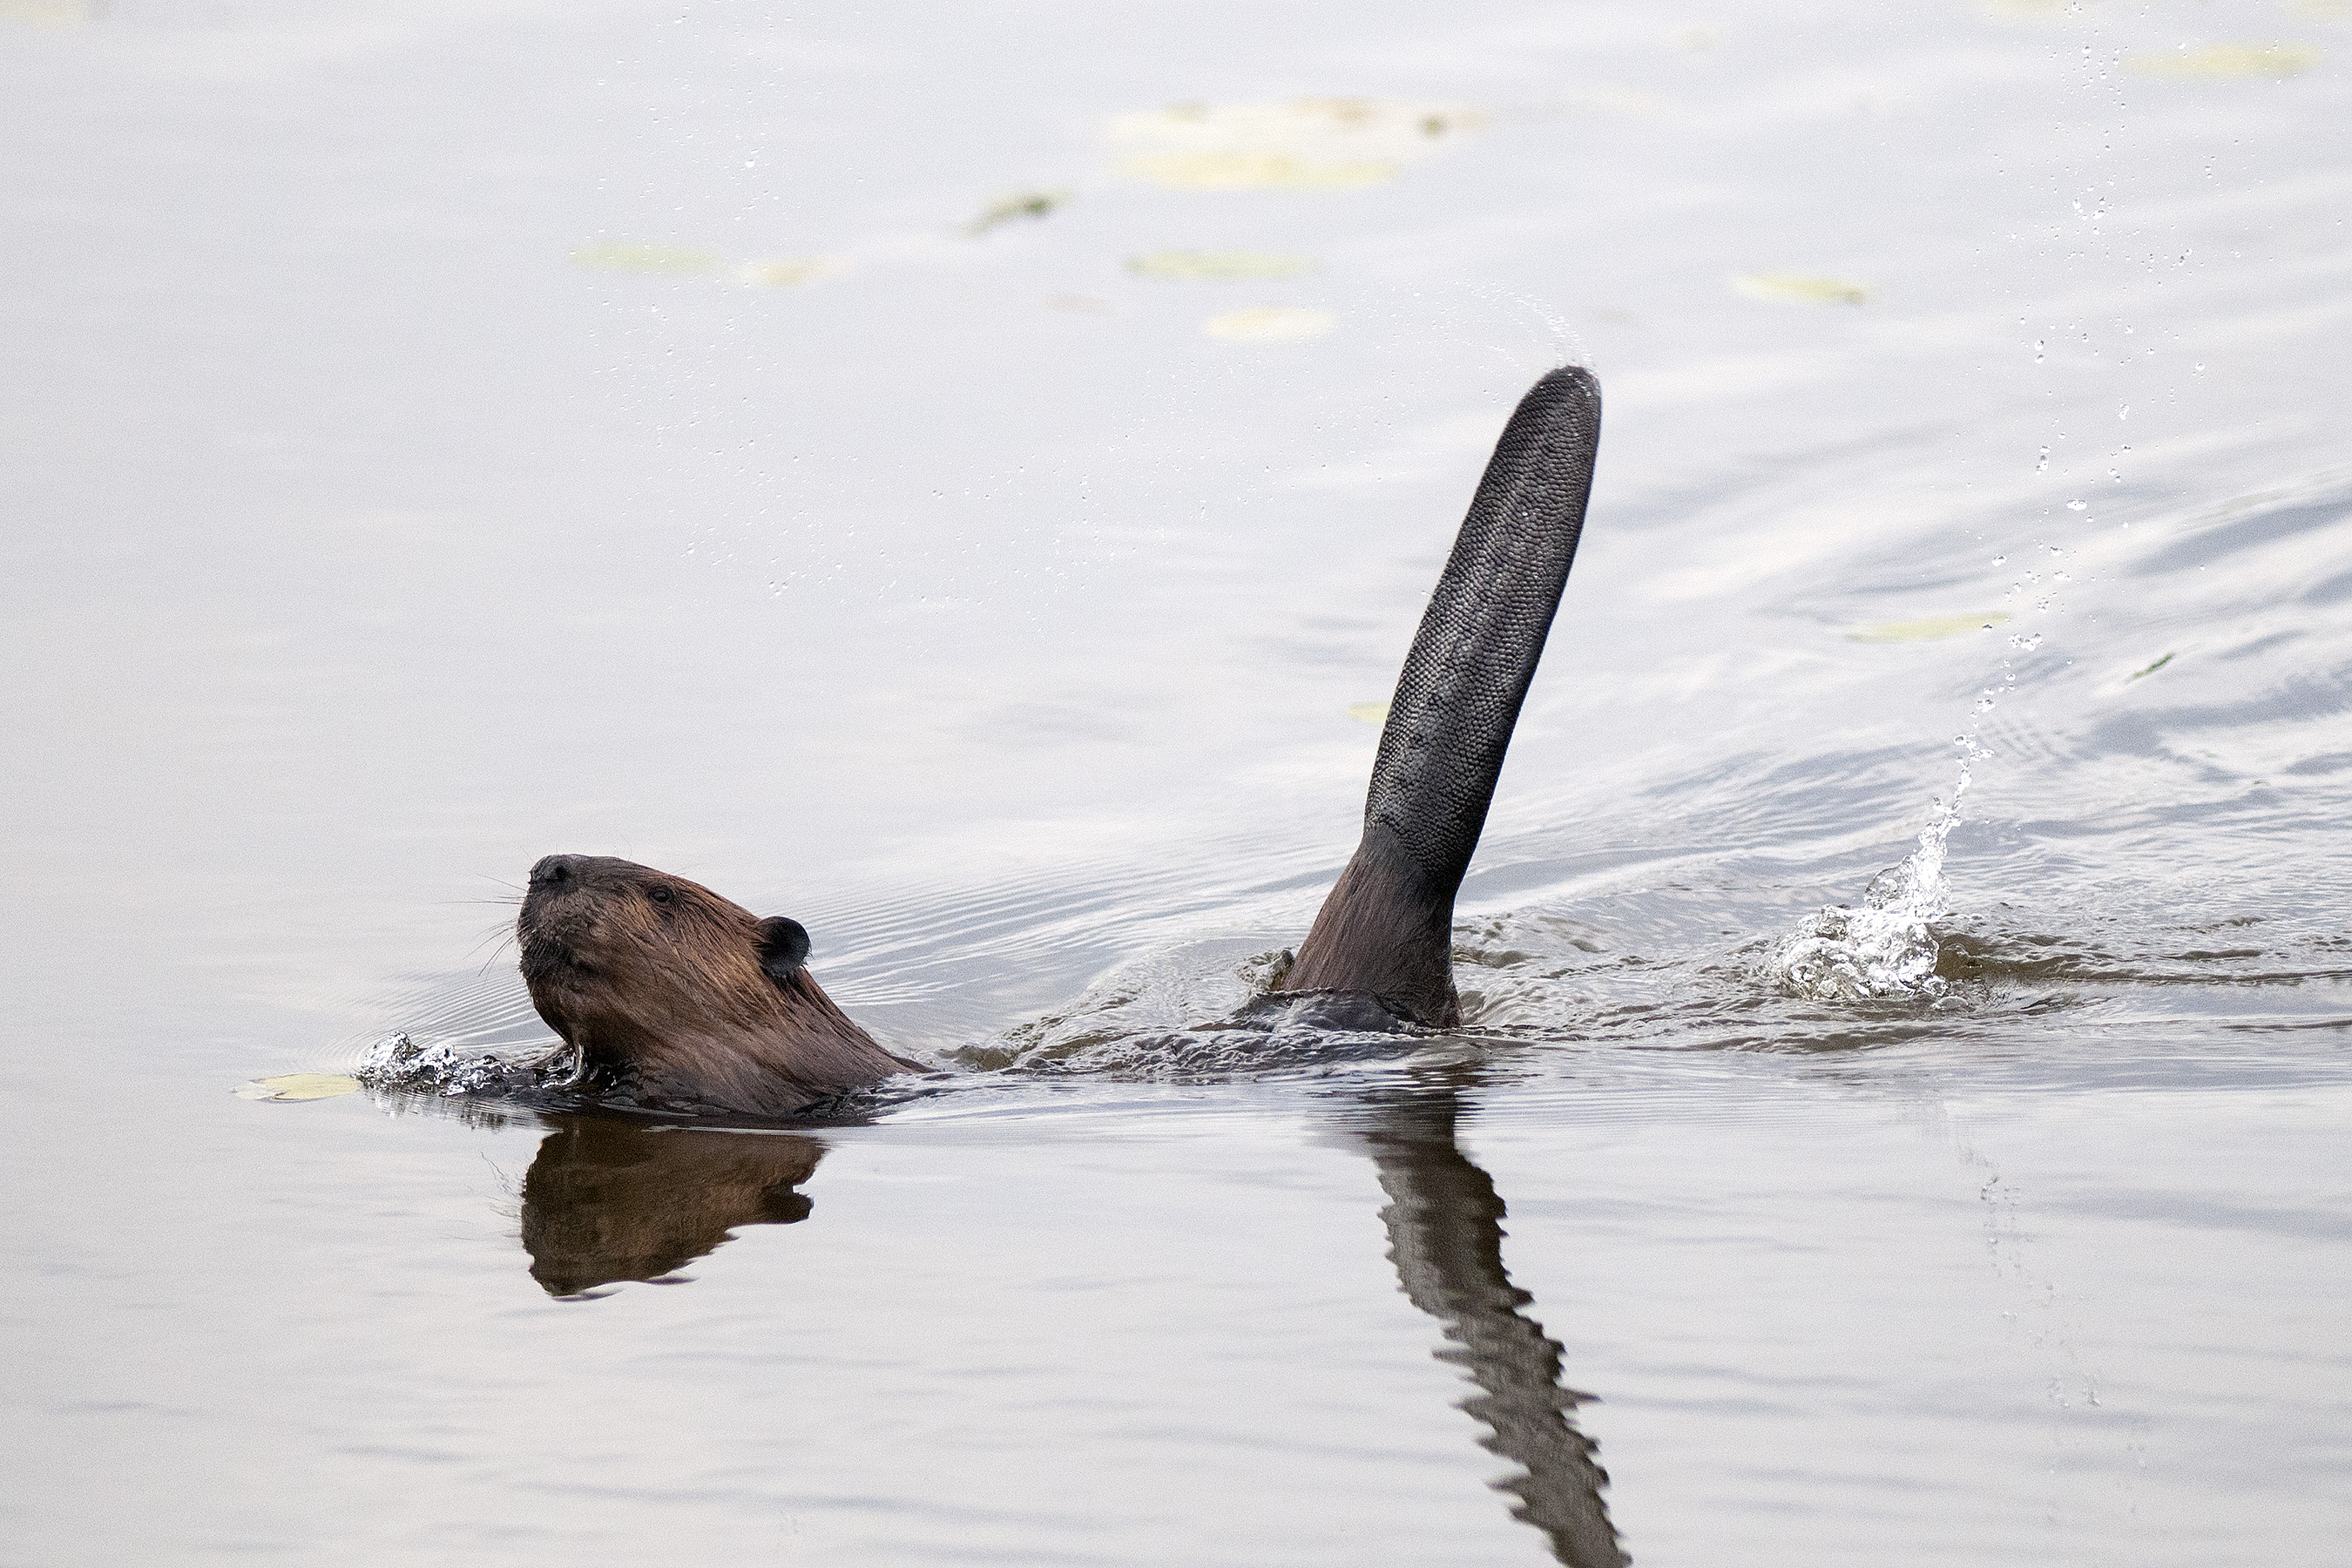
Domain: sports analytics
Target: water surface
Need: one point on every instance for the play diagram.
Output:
(886, 466)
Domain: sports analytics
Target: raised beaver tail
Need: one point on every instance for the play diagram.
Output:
(1387, 926)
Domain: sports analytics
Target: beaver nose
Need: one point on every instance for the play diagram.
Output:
(554, 871)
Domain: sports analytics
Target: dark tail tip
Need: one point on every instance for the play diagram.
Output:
(1458, 698)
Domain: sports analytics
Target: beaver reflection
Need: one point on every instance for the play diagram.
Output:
(1445, 1222)
(608, 1200)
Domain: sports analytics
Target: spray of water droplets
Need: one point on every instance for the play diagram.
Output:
(1887, 947)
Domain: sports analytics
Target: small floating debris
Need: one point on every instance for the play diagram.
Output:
(1927, 628)
(625, 257)
(788, 271)
(1270, 324)
(1369, 713)
(1799, 289)
(2227, 62)
(1218, 266)
(1300, 143)
(1015, 208)
(299, 1086)
(2151, 669)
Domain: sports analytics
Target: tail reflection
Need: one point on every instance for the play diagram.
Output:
(608, 1200)
(1445, 1237)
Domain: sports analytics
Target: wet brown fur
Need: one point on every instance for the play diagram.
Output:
(669, 1001)
(1381, 929)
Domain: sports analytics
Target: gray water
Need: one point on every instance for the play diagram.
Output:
(891, 465)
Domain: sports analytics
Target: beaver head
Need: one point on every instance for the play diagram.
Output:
(680, 997)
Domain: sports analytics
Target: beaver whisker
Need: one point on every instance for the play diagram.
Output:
(503, 941)
(502, 933)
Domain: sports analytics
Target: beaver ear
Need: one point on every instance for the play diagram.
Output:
(783, 948)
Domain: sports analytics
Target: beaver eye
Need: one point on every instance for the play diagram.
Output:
(659, 895)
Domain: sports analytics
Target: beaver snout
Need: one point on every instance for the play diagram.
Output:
(558, 911)
(555, 872)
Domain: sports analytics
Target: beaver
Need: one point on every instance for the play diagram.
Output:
(677, 999)
(681, 999)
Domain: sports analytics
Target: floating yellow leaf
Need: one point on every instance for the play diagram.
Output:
(1799, 289)
(1019, 204)
(2229, 62)
(2323, 10)
(787, 271)
(1256, 171)
(50, 13)
(1270, 324)
(1926, 629)
(1300, 143)
(1219, 265)
(627, 258)
(1369, 713)
(299, 1086)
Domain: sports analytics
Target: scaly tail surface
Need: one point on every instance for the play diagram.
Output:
(1387, 926)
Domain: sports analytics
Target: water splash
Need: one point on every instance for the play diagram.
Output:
(1888, 948)
(447, 1067)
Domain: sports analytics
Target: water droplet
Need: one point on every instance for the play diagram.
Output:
(2076, 505)
(2043, 466)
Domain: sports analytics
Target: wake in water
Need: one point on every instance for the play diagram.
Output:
(1204, 1011)
(1888, 948)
